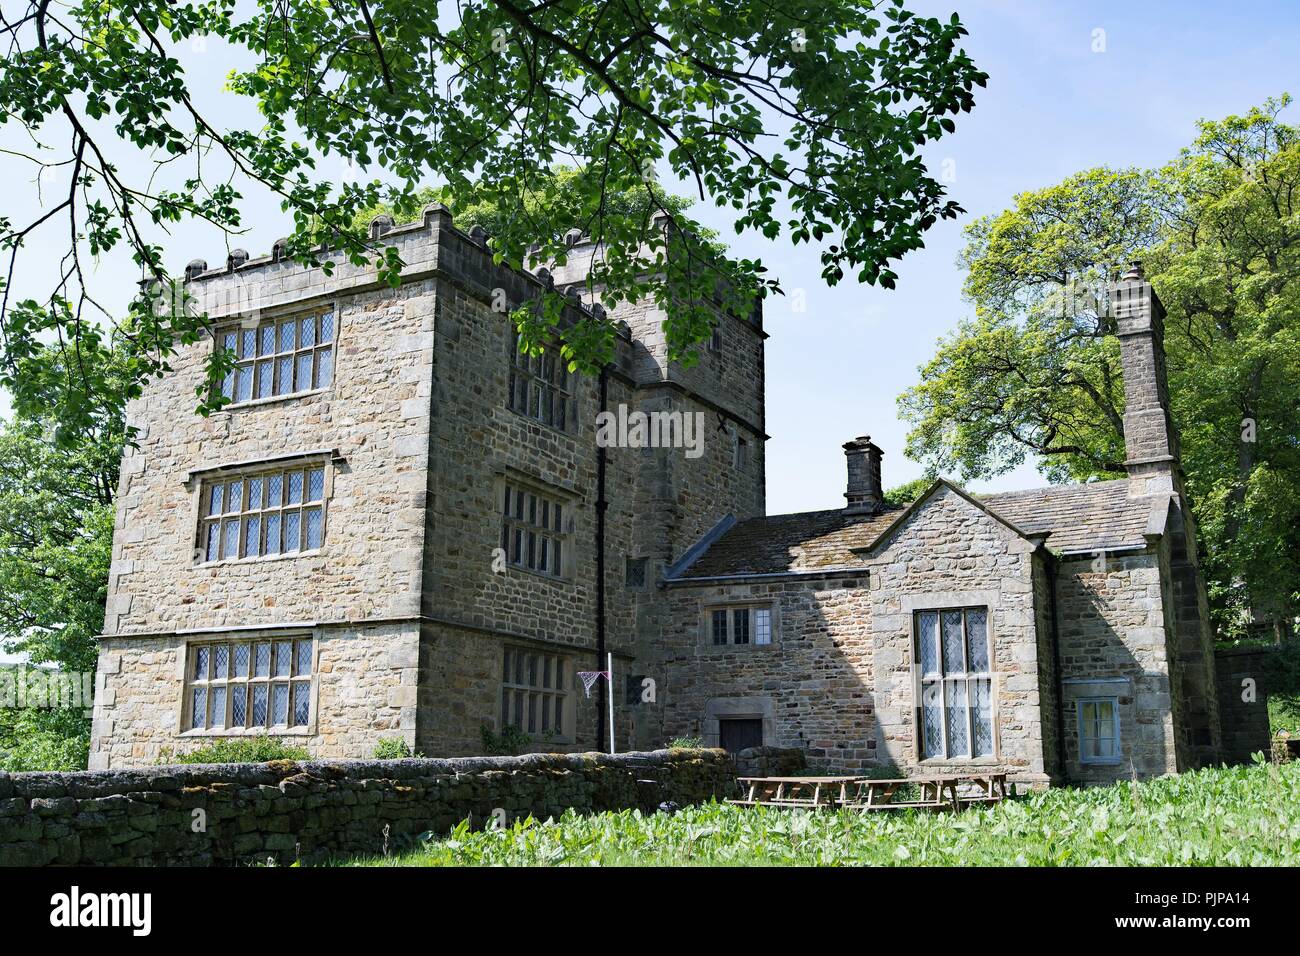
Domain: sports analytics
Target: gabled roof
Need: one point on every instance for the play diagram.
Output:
(1089, 517)
(1096, 516)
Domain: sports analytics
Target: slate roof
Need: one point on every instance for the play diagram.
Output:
(1079, 517)
(1075, 518)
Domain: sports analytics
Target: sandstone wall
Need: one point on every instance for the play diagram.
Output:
(953, 554)
(812, 686)
(1114, 642)
(287, 811)
(364, 689)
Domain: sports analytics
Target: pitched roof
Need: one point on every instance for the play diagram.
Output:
(1094, 516)
(1074, 517)
(809, 541)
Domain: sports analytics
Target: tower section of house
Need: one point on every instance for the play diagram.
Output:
(391, 530)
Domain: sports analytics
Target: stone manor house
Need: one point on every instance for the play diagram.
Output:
(401, 527)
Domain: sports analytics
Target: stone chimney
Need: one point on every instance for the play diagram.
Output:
(1150, 442)
(864, 493)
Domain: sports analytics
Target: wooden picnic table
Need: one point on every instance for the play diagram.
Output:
(791, 791)
(940, 792)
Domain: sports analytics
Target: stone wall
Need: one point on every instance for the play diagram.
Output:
(363, 689)
(286, 811)
(951, 553)
(837, 680)
(1243, 707)
(1114, 643)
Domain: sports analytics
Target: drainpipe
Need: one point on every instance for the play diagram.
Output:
(1052, 570)
(604, 687)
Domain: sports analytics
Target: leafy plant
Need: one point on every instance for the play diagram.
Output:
(393, 748)
(1227, 816)
(684, 743)
(807, 121)
(509, 743)
(1036, 372)
(238, 750)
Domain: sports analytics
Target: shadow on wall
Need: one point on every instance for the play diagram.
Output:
(1107, 692)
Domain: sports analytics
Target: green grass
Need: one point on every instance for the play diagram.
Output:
(1234, 816)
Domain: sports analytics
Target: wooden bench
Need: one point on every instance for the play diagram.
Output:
(950, 792)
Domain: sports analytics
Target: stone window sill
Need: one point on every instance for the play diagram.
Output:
(552, 578)
(261, 558)
(246, 732)
(961, 762)
(718, 650)
(274, 399)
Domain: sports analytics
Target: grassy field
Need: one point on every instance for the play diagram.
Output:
(1238, 816)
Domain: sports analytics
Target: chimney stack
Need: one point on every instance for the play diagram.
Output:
(1150, 441)
(864, 493)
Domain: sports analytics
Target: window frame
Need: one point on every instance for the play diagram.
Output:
(753, 628)
(252, 640)
(529, 374)
(519, 531)
(516, 697)
(275, 320)
(1116, 756)
(245, 474)
(739, 451)
(946, 680)
(634, 567)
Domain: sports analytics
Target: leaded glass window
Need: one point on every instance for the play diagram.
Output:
(539, 386)
(534, 534)
(263, 513)
(741, 625)
(956, 683)
(239, 684)
(279, 356)
(535, 691)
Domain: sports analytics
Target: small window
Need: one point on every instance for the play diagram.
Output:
(715, 338)
(741, 456)
(264, 684)
(635, 572)
(1099, 730)
(535, 692)
(534, 532)
(740, 626)
(539, 386)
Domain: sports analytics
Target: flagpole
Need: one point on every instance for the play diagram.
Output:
(609, 669)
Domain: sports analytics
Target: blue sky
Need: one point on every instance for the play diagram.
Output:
(1053, 106)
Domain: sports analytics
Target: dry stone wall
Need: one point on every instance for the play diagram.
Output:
(287, 811)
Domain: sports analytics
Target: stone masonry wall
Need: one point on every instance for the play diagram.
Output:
(417, 436)
(288, 811)
(364, 689)
(951, 554)
(812, 686)
(837, 679)
(1114, 643)
(1243, 707)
